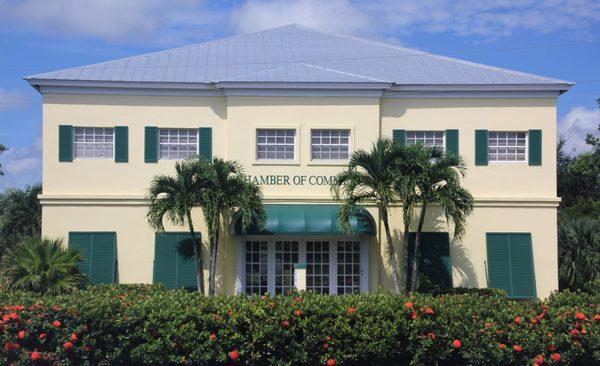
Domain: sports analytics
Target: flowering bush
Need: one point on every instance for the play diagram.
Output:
(150, 325)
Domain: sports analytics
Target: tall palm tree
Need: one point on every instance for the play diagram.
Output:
(20, 215)
(437, 181)
(371, 177)
(174, 198)
(226, 191)
(40, 265)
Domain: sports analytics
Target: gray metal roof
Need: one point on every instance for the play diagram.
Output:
(293, 54)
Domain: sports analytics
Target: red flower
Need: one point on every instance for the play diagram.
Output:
(212, 336)
(11, 346)
(87, 348)
(539, 359)
(351, 310)
(429, 311)
(518, 320)
(574, 332)
(431, 335)
(488, 325)
(456, 343)
(234, 355)
(325, 345)
(67, 345)
(551, 347)
(285, 324)
(42, 336)
(17, 308)
(555, 357)
(330, 362)
(56, 323)
(413, 316)
(298, 312)
(5, 318)
(408, 305)
(55, 308)
(73, 337)
(297, 299)
(263, 297)
(13, 316)
(328, 338)
(517, 348)
(502, 346)
(35, 355)
(597, 317)
(21, 334)
(584, 331)
(580, 316)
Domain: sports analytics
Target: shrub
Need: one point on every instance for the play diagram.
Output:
(40, 265)
(150, 325)
(579, 252)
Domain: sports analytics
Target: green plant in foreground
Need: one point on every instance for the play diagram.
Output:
(40, 265)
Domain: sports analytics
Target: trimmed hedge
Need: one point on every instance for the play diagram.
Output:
(149, 325)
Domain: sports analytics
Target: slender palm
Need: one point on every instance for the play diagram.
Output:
(579, 252)
(226, 191)
(437, 181)
(40, 265)
(174, 198)
(370, 178)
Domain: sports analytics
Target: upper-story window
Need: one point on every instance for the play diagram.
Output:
(275, 144)
(329, 144)
(177, 143)
(507, 146)
(93, 143)
(425, 138)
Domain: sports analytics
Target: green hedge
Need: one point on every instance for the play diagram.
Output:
(147, 324)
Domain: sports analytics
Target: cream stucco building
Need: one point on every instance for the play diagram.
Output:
(290, 104)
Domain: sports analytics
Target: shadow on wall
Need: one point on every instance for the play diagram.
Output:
(463, 272)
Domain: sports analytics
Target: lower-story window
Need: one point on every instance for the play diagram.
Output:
(336, 266)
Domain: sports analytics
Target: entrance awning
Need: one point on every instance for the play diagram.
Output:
(287, 219)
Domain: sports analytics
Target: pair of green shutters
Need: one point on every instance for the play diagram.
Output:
(481, 144)
(510, 264)
(399, 136)
(65, 143)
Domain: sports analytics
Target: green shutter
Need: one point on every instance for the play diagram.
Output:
(170, 267)
(150, 144)
(99, 252)
(434, 257)
(205, 141)
(65, 143)
(452, 141)
(535, 147)
(399, 136)
(481, 147)
(510, 264)
(121, 144)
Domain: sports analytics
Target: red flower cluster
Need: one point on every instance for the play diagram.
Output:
(330, 362)
(10, 346)
(555, 357)
(456, 343)
(351, 310)
(233, 355)
(35, 355)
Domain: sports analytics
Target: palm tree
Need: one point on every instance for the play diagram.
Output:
(20, 215)
(579, 252)
(437, 181)
(371, 177)
(226, 191)
(174, 198)
(40, 265)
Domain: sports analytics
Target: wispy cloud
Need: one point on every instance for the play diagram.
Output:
(574, 126)
(22, 166)
(12, 98)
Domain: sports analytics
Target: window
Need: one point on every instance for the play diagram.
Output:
(317, 266)
(93, 143)
(425, 138)
(256, 267)
(507, 146)
(286, 254)
(348, 267)
(329, 144)
(177, 143)
(273, 144)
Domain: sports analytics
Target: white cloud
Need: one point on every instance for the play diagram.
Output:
(574, 126)
(490, 18)
(22, 166)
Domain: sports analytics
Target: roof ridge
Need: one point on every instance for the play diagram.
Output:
(344, 72)
(413, 50)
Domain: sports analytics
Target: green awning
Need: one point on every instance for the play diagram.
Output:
(308, 220)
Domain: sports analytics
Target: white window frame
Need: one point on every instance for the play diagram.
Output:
(526, 161)
(74, 143)
(241, 259)
(425, 131)
(177, 143)
(297, 138)
(348, 145)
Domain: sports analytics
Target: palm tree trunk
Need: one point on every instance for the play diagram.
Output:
(415, 271)
(214, 250)
(390, 249)
(405, 264)
(197, 255)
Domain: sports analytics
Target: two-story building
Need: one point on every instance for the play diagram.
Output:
(291, 104)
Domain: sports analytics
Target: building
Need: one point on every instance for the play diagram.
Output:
(290, 104)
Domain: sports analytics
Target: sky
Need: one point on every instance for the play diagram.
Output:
(555, 38)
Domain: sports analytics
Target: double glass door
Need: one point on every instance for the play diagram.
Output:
(333, 265)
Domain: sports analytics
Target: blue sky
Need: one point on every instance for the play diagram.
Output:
(556, 38)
